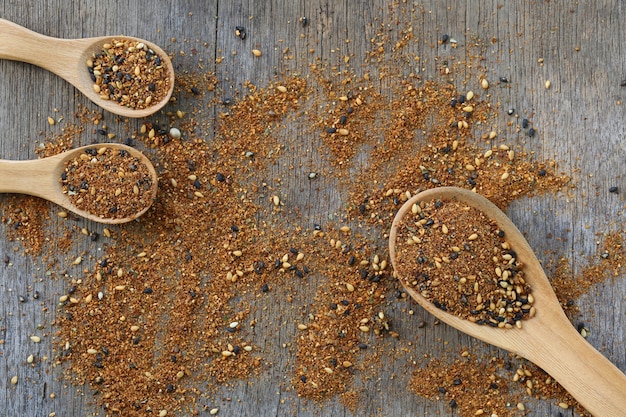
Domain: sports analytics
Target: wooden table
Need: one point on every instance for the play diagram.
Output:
(577, 46)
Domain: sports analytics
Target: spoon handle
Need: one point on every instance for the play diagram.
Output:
(596, 383)
(59, 56)
(34, 177)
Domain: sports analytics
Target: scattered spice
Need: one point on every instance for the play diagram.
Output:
(163, 309)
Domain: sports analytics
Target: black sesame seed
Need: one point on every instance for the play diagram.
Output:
(265, 288)
(362, 345)
(331, 130)
(445, 38)
(220, 177)
(525, 123)
(241, 32)
(195, 91)
(457, 381)
(350, 110)
(504, 80)
(147, 290)
(613, 190)
(343, 119)
(303, 378)
(531, 132)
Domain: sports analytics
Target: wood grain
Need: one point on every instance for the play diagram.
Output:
(579, 123)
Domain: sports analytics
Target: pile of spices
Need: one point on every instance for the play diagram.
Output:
(129, 73)
(459, 260)
(108, 182)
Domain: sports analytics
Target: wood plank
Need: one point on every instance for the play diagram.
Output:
(578, 120)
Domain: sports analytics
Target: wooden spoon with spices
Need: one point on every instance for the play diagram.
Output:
(44, 178)
(547, 339)
(68, 58)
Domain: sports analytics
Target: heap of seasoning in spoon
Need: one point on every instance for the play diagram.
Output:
(458, 259)
(129, 73)
(109, 183)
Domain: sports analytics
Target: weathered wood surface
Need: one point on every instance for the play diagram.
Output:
(581, 126)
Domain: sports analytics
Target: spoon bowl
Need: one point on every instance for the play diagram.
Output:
(67, 58)
(548, 339)
(42, 178)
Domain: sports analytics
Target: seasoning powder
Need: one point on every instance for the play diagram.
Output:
(109, 183)
(460, 261)
(129, 73)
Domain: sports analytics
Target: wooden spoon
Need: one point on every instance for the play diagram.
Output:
(548, 339)
(67, 58)
(42, 178)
